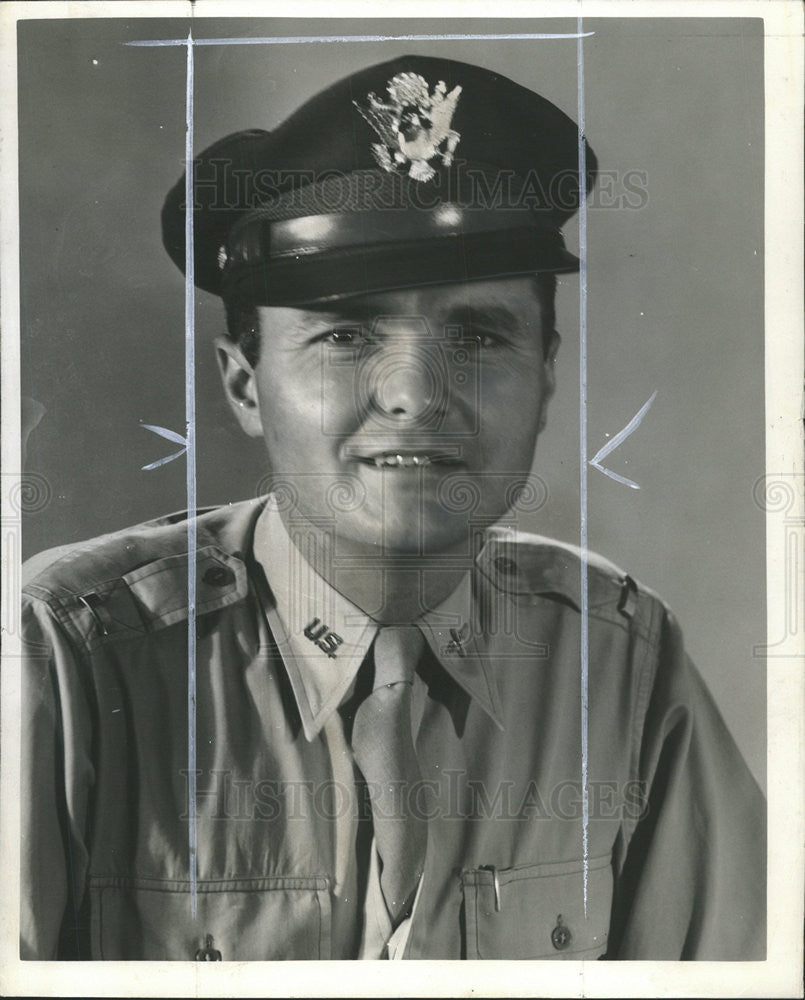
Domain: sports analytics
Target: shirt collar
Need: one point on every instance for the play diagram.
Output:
(323, 638)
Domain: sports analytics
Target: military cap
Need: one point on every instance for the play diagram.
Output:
(414, 171)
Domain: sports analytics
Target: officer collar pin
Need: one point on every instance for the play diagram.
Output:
(323, 636)
(458, 638)
(413, 125)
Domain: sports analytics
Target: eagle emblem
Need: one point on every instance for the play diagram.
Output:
(413, 125)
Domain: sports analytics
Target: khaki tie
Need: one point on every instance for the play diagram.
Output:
(384, 751)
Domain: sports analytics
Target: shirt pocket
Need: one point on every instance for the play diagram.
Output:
(537, 911)
(278, 917)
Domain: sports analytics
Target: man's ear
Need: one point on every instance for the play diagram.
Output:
(549, 385)
(240, 386)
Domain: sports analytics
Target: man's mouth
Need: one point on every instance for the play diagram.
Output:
(400, 461)
(407, 459)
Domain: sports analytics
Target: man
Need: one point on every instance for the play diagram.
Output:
(397, 751)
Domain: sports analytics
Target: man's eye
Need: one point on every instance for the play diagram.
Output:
(351, 336)
(483, 338)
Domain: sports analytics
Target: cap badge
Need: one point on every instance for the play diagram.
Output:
(413, 126)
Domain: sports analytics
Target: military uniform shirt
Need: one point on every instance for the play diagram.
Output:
(675, 860)
(323, 639)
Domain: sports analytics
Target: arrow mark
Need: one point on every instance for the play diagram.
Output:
(619, 438)
(171, 436)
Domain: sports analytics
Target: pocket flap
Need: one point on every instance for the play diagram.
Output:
(538, 911)
(256, 919)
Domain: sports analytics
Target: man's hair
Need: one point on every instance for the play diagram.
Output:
(243, 318)
(243, 326)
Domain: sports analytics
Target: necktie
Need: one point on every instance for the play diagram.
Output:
(384, 751)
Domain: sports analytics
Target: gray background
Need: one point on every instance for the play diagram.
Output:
(675, 290)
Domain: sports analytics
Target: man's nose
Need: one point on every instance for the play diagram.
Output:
(407, 384)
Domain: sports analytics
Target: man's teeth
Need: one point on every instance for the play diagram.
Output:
(401, 461)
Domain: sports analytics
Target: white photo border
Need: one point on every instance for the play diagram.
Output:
(781, 973)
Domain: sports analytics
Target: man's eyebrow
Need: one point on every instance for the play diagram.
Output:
(349, 313)
(323, 319)
(487, 314)
(328, 316)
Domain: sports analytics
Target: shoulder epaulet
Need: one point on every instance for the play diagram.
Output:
(520, 563)
(136, 579)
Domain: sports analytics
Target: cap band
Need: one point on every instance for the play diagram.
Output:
(315, 273)
(258, 236)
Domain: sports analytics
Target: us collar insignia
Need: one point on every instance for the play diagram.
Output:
(413, 126)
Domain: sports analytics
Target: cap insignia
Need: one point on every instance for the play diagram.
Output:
(413, 126)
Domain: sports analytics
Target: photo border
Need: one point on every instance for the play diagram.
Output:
(782, 495)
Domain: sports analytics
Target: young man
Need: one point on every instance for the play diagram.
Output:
(396, 753)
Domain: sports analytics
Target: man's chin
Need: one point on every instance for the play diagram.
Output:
(410, 534)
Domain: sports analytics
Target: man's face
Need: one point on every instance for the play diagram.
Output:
(400, 419)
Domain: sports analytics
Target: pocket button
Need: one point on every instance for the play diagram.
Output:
(208, 953)
(561, 935)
